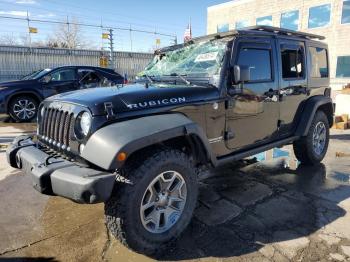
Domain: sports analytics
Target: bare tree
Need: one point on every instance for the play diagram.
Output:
(67, 36)
(8, 39)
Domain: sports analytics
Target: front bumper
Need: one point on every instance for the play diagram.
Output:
(57, 176)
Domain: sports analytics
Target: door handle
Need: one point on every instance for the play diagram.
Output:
(304, 90)
(270, 93)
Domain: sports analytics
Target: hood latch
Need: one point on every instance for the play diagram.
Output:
(109, 110)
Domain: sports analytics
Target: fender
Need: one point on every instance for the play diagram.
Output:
(129, 136)
(311, 106)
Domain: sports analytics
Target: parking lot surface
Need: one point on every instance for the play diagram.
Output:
(269, 210)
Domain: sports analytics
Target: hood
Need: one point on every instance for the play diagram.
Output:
(17, 83)
(136, 97)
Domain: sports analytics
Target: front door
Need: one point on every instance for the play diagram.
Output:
(253, 110)
(61, 80)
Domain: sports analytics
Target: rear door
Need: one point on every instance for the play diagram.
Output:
(253, 110)
(62, 80)
(293, 83)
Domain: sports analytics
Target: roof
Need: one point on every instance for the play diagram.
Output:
(228, 4)
(253, 30)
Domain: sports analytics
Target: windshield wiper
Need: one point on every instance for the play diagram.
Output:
(149, 78)
(182, 78)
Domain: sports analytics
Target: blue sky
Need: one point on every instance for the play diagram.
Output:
(170, 17)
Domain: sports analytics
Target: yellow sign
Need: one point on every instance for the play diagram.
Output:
(33, 30)
(103, 61)
(105, 35)
(157, 41)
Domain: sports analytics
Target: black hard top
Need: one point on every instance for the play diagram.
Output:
(258, 30)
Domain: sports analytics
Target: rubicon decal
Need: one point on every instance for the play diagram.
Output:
(151, 103)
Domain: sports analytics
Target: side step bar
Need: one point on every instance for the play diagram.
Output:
(251, 152)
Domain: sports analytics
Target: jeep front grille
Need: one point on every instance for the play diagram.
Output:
(56, 127)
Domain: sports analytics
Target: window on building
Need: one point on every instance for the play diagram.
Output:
(265, 20)
(290, 20)
(258, 61)
(241, 24)
(343, 66)
(292, 63)
(319, 62)
(223, 28)
(319, 15)
(345, 18)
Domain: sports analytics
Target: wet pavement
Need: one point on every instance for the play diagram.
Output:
(269, 210)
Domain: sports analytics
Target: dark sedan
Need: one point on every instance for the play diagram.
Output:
(20, 99)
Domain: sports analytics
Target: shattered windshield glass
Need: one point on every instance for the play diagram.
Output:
(197, 59)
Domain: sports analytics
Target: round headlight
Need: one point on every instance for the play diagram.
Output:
(85, 123)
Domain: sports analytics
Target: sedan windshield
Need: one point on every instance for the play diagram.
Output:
(36, 74)
(202, 59)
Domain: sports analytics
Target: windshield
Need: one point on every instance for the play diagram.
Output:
(36, 74)
(198, 59)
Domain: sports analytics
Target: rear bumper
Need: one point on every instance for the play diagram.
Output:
(57, 176)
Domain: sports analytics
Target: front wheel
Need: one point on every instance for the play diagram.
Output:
(312, 148)
(155, 202)
(23, 108)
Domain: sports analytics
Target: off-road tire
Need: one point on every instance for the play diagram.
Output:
(122, 210)
(303, 147)
(16, 100)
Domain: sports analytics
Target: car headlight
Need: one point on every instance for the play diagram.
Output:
(85, 123)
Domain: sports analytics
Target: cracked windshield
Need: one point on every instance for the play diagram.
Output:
(201, 59)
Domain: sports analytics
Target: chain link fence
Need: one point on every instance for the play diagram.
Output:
(18, 61)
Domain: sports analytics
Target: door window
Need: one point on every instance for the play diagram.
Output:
(63, 75)
(292, 63)
(319, 63)
(258, 61)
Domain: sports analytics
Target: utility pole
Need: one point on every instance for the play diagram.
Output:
(130, 38)
(30, 43)
(111, 54)
(29, 36)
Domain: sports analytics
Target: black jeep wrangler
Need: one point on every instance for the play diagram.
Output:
(213, 100)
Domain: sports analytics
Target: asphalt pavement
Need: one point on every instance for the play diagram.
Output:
(264, 209)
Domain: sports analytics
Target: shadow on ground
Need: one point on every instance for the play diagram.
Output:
(258, 206)
(29, 259)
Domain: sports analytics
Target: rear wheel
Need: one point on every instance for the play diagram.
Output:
(23, 108)
(312, 148)
(155, 202)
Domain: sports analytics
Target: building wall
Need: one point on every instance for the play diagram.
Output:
(337, 34)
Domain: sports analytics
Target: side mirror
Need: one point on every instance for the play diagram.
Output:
(241, 74)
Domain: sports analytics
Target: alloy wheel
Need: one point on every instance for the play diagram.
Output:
(24, 109)
(163, 202)
(319, 138)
